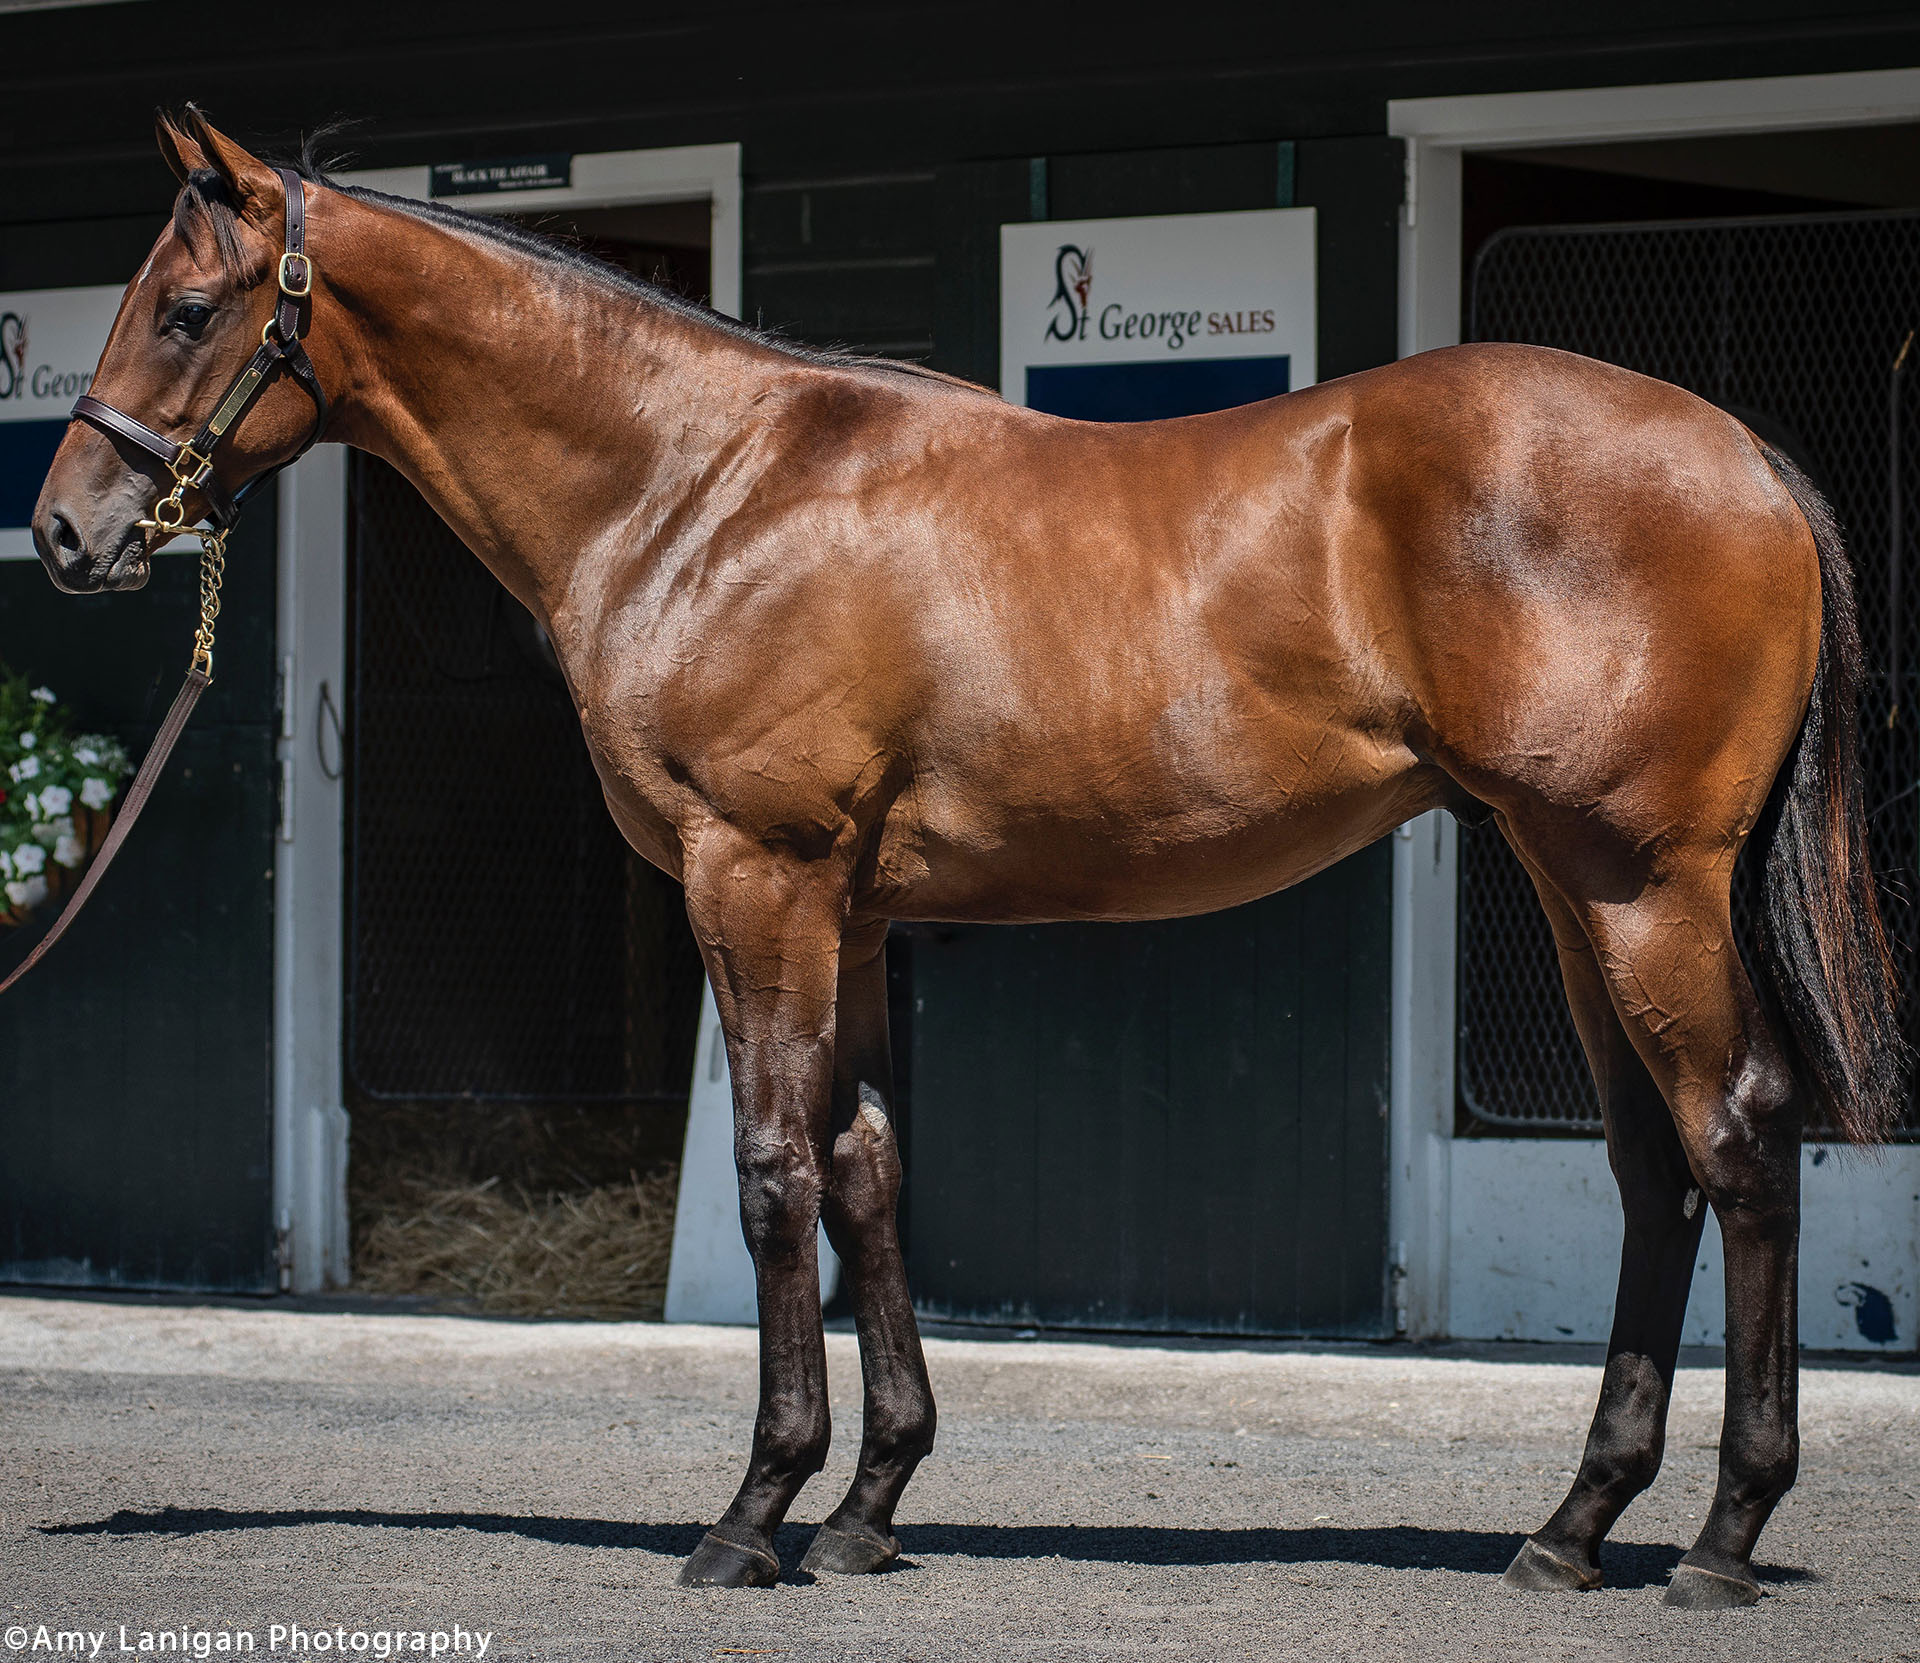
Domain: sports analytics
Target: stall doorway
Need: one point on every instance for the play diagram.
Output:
(1791, 320)
(1775, 276)
(523, 991)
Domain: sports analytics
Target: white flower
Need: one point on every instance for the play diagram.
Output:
(69, 851)
(42, 695)
(55, 800)
(29, 893)
(49, 834)
(31, 804)
(27, 768)
(95, 793)
(99, 750)
(6, 864)
(28, 741)
(28, 859)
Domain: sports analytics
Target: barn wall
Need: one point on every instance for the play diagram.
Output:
(834, 89)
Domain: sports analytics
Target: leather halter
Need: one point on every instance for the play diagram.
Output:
(191, 463)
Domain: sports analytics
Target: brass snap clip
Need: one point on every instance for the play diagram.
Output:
(169, 513)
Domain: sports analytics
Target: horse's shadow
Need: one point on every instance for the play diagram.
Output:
(1390, 1547)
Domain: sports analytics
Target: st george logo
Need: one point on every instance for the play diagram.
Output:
(13, 354)
(1072, 283)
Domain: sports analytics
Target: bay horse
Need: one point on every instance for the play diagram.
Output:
(854, 642)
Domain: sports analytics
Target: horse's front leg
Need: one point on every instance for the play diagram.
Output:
(769, 929)
(862, 1219)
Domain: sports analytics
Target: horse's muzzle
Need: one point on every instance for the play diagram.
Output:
(76, 566)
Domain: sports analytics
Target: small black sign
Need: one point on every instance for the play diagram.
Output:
(506, 173)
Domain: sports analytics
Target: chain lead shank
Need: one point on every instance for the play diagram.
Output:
(213, 567)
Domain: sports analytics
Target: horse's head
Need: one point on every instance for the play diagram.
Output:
(188, 324)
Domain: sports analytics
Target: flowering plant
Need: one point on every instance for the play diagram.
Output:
(55, 789)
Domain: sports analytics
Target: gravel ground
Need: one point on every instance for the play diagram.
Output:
(227, 1468)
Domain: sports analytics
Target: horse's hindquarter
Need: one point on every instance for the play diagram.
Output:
(1606, 606)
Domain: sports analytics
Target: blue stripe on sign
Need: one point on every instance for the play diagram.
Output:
(1146, 392)
(26, 452)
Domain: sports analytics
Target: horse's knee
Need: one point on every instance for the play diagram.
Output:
(779, 1197)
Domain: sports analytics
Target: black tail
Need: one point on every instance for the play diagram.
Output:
(1823, 947)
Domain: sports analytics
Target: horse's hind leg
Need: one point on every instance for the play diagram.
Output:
(1670, 962)
(861, 1209)
(1663, 1223)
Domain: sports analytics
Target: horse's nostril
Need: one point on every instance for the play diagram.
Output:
(65, 538)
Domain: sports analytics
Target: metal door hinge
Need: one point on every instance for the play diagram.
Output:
(283, 1249)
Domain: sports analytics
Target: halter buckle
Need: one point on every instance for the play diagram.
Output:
(296, 276)
(190, 468)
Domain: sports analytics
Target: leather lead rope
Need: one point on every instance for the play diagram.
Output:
(191, 465)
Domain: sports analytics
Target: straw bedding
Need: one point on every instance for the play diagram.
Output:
(597, 1253)
(523, 1213)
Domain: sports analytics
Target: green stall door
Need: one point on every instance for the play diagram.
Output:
(1178, 1127)
(136, 1083)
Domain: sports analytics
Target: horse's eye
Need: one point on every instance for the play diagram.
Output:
(189, 318)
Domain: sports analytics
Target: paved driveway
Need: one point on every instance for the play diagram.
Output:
(354, 1476)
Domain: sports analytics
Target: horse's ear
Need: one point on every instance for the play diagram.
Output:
(255, 186)
(182, 153)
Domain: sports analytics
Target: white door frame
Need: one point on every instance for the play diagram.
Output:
(1438, 132)
(309, 1120)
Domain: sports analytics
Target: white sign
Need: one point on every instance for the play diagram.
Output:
(1168, 315)
(50, 341)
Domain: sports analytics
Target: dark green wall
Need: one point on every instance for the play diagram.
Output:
(836, 86)
(1175, 1126)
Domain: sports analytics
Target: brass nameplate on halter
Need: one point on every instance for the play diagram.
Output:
(235, 401)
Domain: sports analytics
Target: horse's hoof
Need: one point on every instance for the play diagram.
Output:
(1695, 1588)
(1536, 1571)
(849, 1553)
(719, 1564)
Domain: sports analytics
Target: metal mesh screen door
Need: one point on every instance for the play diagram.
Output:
(1793, 325)
(504, 942)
